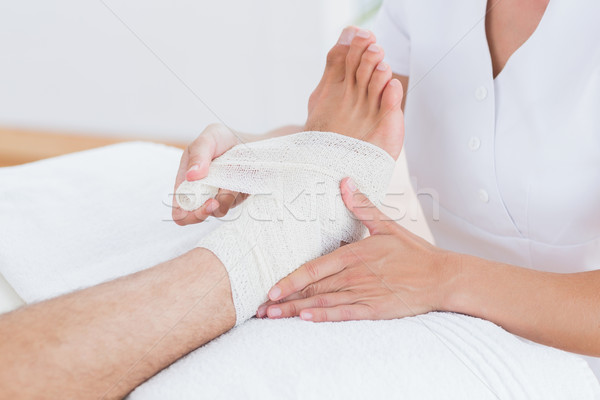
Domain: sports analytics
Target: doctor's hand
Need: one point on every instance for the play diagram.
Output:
(215, 140)
(390, 274)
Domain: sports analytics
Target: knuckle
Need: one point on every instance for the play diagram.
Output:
(200, 141)
(363, 201)
(312, 268)
(292, 309)
(215, 126)
(321, 302)
(309, 291)
(347, 313)
(214, 131)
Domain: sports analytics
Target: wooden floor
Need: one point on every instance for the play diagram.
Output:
(19, 146)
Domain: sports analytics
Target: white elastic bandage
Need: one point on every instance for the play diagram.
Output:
(295, 212)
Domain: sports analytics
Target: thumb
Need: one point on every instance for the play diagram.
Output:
(215, 140)
(200, 154)
(376, 222)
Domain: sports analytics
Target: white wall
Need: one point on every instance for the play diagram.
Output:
(72, 65)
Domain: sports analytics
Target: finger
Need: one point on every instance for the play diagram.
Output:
(331, 284)
(312, 271)
(215, 140)
(227, 200)
(292, 308)
(262, 309)
(376, 222)
(338, 313)
(200, 153)
(182, 217)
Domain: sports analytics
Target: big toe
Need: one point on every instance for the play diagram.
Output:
(389, 132)
(391, 99)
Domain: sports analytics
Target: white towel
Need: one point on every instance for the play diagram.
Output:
(68, 223)
(433, 356)
(65, 226)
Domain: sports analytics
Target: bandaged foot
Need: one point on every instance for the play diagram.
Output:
(294, 212)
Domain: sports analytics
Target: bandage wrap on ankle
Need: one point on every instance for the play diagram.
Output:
(295, 212)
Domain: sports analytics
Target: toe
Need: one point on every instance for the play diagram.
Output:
(380, 77)
(389, 132)
(336, 58)
(391, 99)
(369, 61)
(361, 41)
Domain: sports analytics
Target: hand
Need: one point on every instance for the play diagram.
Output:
(215, 140)
(391, 274)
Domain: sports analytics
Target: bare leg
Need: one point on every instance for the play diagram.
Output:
(104, 341)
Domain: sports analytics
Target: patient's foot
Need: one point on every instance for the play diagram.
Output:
(357, 96)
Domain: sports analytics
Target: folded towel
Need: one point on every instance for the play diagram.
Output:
(66, 226)
(68, 222)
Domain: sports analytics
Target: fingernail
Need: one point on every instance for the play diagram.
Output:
(306, 316)
(382, 66)
(374, 48)
(351, 185)
(262, 311)
(347, 36)
(395, 82)
(274, 312)
(363, 33)
(192, 168)
(274, 293)
(212, 206)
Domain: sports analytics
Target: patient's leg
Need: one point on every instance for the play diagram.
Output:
(103, 341)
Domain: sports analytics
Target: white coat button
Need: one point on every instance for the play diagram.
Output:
(474, 143)
(484, 196)
(481, 93)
